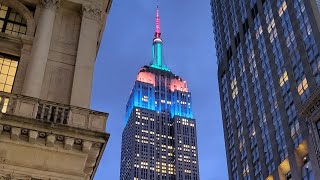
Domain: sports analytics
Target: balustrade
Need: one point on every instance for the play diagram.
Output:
(50, 112)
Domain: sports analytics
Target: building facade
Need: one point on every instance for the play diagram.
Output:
(268, 70)
(159, 140)
(47, 55)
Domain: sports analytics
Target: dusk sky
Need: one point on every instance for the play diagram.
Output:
(189, 52)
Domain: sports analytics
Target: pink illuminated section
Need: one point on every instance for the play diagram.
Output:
(158, 31)
(146, 77)
(176, 84)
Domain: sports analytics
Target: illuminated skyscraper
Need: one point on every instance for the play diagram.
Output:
(159, 140)
(269, 75)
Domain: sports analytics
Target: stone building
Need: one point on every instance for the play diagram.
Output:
(47, 55)
(268, 54)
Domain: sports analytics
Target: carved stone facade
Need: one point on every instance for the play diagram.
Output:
(14, 177)
(50, 4)
(47, 131)
(311, 110)
(92, 11)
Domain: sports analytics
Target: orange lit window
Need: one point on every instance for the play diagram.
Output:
(283, 8)
(303, 86)
(283, 78)
(8, 69)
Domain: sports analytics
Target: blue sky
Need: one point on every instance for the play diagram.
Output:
(189, 51)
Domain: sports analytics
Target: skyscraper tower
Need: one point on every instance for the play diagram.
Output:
(269, 77)
(159, 140)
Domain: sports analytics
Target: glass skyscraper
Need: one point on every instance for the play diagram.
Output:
(159, 140)
(269, 72)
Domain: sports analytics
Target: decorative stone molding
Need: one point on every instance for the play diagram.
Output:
(33, 135)
(92, 158)
(50, 4)
(309, 108)
(15, 133)
(92, 11)
(91, 148)
(86, 146)
(14, 177)
(68, 143)
(311, 111)
(50, 140)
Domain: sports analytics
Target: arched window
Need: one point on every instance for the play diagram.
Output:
(11, 22)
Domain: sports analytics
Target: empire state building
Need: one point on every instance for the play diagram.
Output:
(159, 139)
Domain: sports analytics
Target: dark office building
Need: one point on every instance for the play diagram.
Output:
(269, 76)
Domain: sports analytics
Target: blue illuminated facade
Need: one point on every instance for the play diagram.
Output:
(165, 93)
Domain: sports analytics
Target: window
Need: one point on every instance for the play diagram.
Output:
(289, 176)
(283, 78)
(318, 126)
(11, 22)
(303, 86)
(307, 173)
(282, 8)
(8, 69)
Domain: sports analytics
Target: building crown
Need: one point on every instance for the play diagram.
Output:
(157, 53)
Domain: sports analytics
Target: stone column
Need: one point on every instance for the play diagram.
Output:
(40, 49)
(86, 55)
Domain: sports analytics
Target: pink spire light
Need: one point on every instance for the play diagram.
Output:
(158, 32)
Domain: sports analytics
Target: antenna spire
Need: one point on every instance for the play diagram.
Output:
(158, 32)
(157, 56)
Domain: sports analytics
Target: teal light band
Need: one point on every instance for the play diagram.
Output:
(153, 54)
(157, 57)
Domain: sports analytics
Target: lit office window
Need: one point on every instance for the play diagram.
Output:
(11, 22)
(303, 86)
(284, 78)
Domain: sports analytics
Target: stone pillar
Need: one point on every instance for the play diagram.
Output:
(86, 55)
(40, 49)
